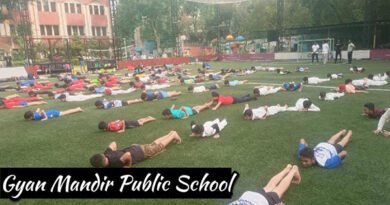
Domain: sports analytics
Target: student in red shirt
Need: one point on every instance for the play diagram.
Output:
(75, 87)
(18, 104)
(40, 86)
(121, 125)
(228, 100)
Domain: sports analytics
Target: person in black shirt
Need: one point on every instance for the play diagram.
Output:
(135, 153)
(338, 50)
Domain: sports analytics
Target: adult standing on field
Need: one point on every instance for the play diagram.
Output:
(338, 46)
(325, 52)
(315, 47)
(350, 49)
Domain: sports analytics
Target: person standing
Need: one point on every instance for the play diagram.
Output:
(350, 49)
(82, 64)
(338, 50)
(315, 47)
(325, 52)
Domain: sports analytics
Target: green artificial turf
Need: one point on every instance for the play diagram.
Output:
(256, 149)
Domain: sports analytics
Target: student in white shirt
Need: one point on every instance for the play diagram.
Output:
(334, 75)
(119, 92)
(326, 154)
(66, 97)
(330, 96)
(202, 88)
(384, 118)
(315, 47)
(273, 192)
(155, 86)
(314, 80)
(381, 76)
(266, 90)
(261, 113)
(325, 52)
(304, 105)
(208, 129)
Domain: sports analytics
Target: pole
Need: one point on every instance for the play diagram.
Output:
(374, 40)
(125, 47)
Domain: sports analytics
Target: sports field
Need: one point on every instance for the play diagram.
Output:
(256, 149)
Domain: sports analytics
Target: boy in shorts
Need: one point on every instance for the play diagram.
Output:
(135, 153)
(121, 125)
(184, 111)
(272, 193)
(42, 115)
(326, 154)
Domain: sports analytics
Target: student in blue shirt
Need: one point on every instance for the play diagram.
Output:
(326, 154)
(184, 111)
(42, 115)
(292, 86)
(234, 82)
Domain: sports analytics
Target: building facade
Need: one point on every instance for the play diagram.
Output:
(56, 20)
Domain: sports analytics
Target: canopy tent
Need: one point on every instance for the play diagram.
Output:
(12, 72)
(229, 38)
(240, 38)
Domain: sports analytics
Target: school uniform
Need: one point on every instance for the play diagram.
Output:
(213, 127)
(299, 106)
(384, 118)
(267, 90)
(332, 96)
(199, 89)
(315, 80)
(119, 92)
(79, 98)
(326, 154)
(262, 112)
(156, 87)
(257, 198)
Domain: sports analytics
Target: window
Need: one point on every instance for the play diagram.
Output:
(96, 10)
(98, 32)
(72, 9)
(93, 31)
(53, 6)
(39, 5)
(104, 31)
(56, 31)
(66, 8)
(78, 8)
(46, 5)
(90, 9)
(49, 31)
(43, 30)
(75, 30)
(69, 30)
(101, 10)
(12, 29)
(81, 31)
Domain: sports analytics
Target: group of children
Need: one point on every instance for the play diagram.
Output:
(326, 154)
